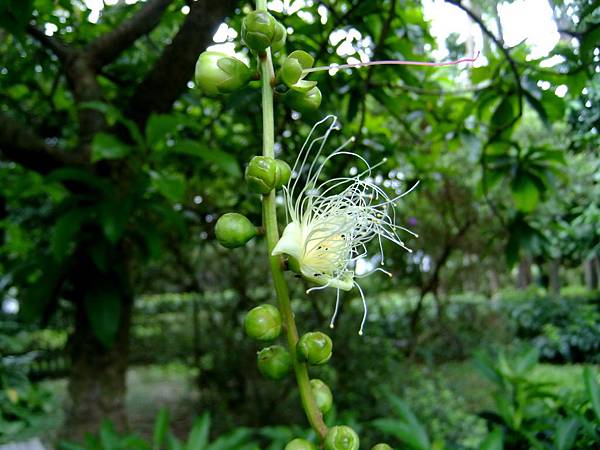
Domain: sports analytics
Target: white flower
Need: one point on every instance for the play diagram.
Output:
(331, 221)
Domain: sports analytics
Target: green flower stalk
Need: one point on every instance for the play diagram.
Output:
(309, 404)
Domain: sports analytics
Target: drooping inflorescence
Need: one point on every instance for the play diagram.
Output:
(331, 221)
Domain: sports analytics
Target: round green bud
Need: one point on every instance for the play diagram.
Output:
(382, 447)
(279, 37)
(322, 394)
(341, 438)
(234, 230)
(283, 172)
(304, 102)
(300, 444)
(292, 71)
(315, 348)
(258, 30)
(263, 323)
(274, 362)
(261, 174)
(218, 73)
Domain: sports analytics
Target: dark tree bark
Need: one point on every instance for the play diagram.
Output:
(97, 382)
(554, 276)
(524, 276)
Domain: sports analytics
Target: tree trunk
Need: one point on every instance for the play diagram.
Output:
(591, 273)
(97, 381)
(554, 276)
(524, 277)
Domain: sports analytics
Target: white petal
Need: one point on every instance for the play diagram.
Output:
(290, 242)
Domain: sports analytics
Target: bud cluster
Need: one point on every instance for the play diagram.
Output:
(218, 73)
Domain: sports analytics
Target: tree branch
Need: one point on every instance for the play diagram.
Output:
(53, 43)
(107, 47)
(19, 144)
(511, 62)
(167, 80)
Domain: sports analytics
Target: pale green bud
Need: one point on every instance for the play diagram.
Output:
(258, 30)
(304, 102)
(300, 444)
(234, 230)
(292, 71)
(274, 362)
(218, 73)
(263, 323)
(315, 348)
(279, 37)
(261, 174)
(322, 393)
(283, 172)
(341, 438)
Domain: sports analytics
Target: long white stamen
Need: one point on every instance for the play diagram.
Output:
(364, 302)
(318, 288)
(390, 63)
(335, 311)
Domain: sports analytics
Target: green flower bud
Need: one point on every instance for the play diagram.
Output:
(304, 102)
(279, 37)
(300, 444)
(234, 230)
(261, 174)
(382, 447)
(274, 362)
(341, 438)
(218, 73)
(315, 348)
(258, 30)
(263, 323)
(292, 71)
(282, 173)
(322, 394)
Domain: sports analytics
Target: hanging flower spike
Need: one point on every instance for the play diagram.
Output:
(330, 222)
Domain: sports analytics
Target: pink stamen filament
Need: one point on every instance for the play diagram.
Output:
(391, 63)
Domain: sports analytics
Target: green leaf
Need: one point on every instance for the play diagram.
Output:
(223, 160)
(67, 175)
(159, 126)
(173, 443)
(538, 106)
(198, 439)
(526, 361)
(114, 115)
(592, 389)
(102, 304)
(566, 432)
(493, 441)
(161, 426)
(504, 113)
(170, 184)
(65, 230)
(15, 14)
(524, 192)
(107, 146)
(403, 432)
(114, 214)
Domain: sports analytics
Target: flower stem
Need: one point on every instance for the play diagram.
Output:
(390, 63)
(313, 413)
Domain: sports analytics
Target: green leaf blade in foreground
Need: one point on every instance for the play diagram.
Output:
(106, 146)
(525, 193)
(221, 159)
(102, 304)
